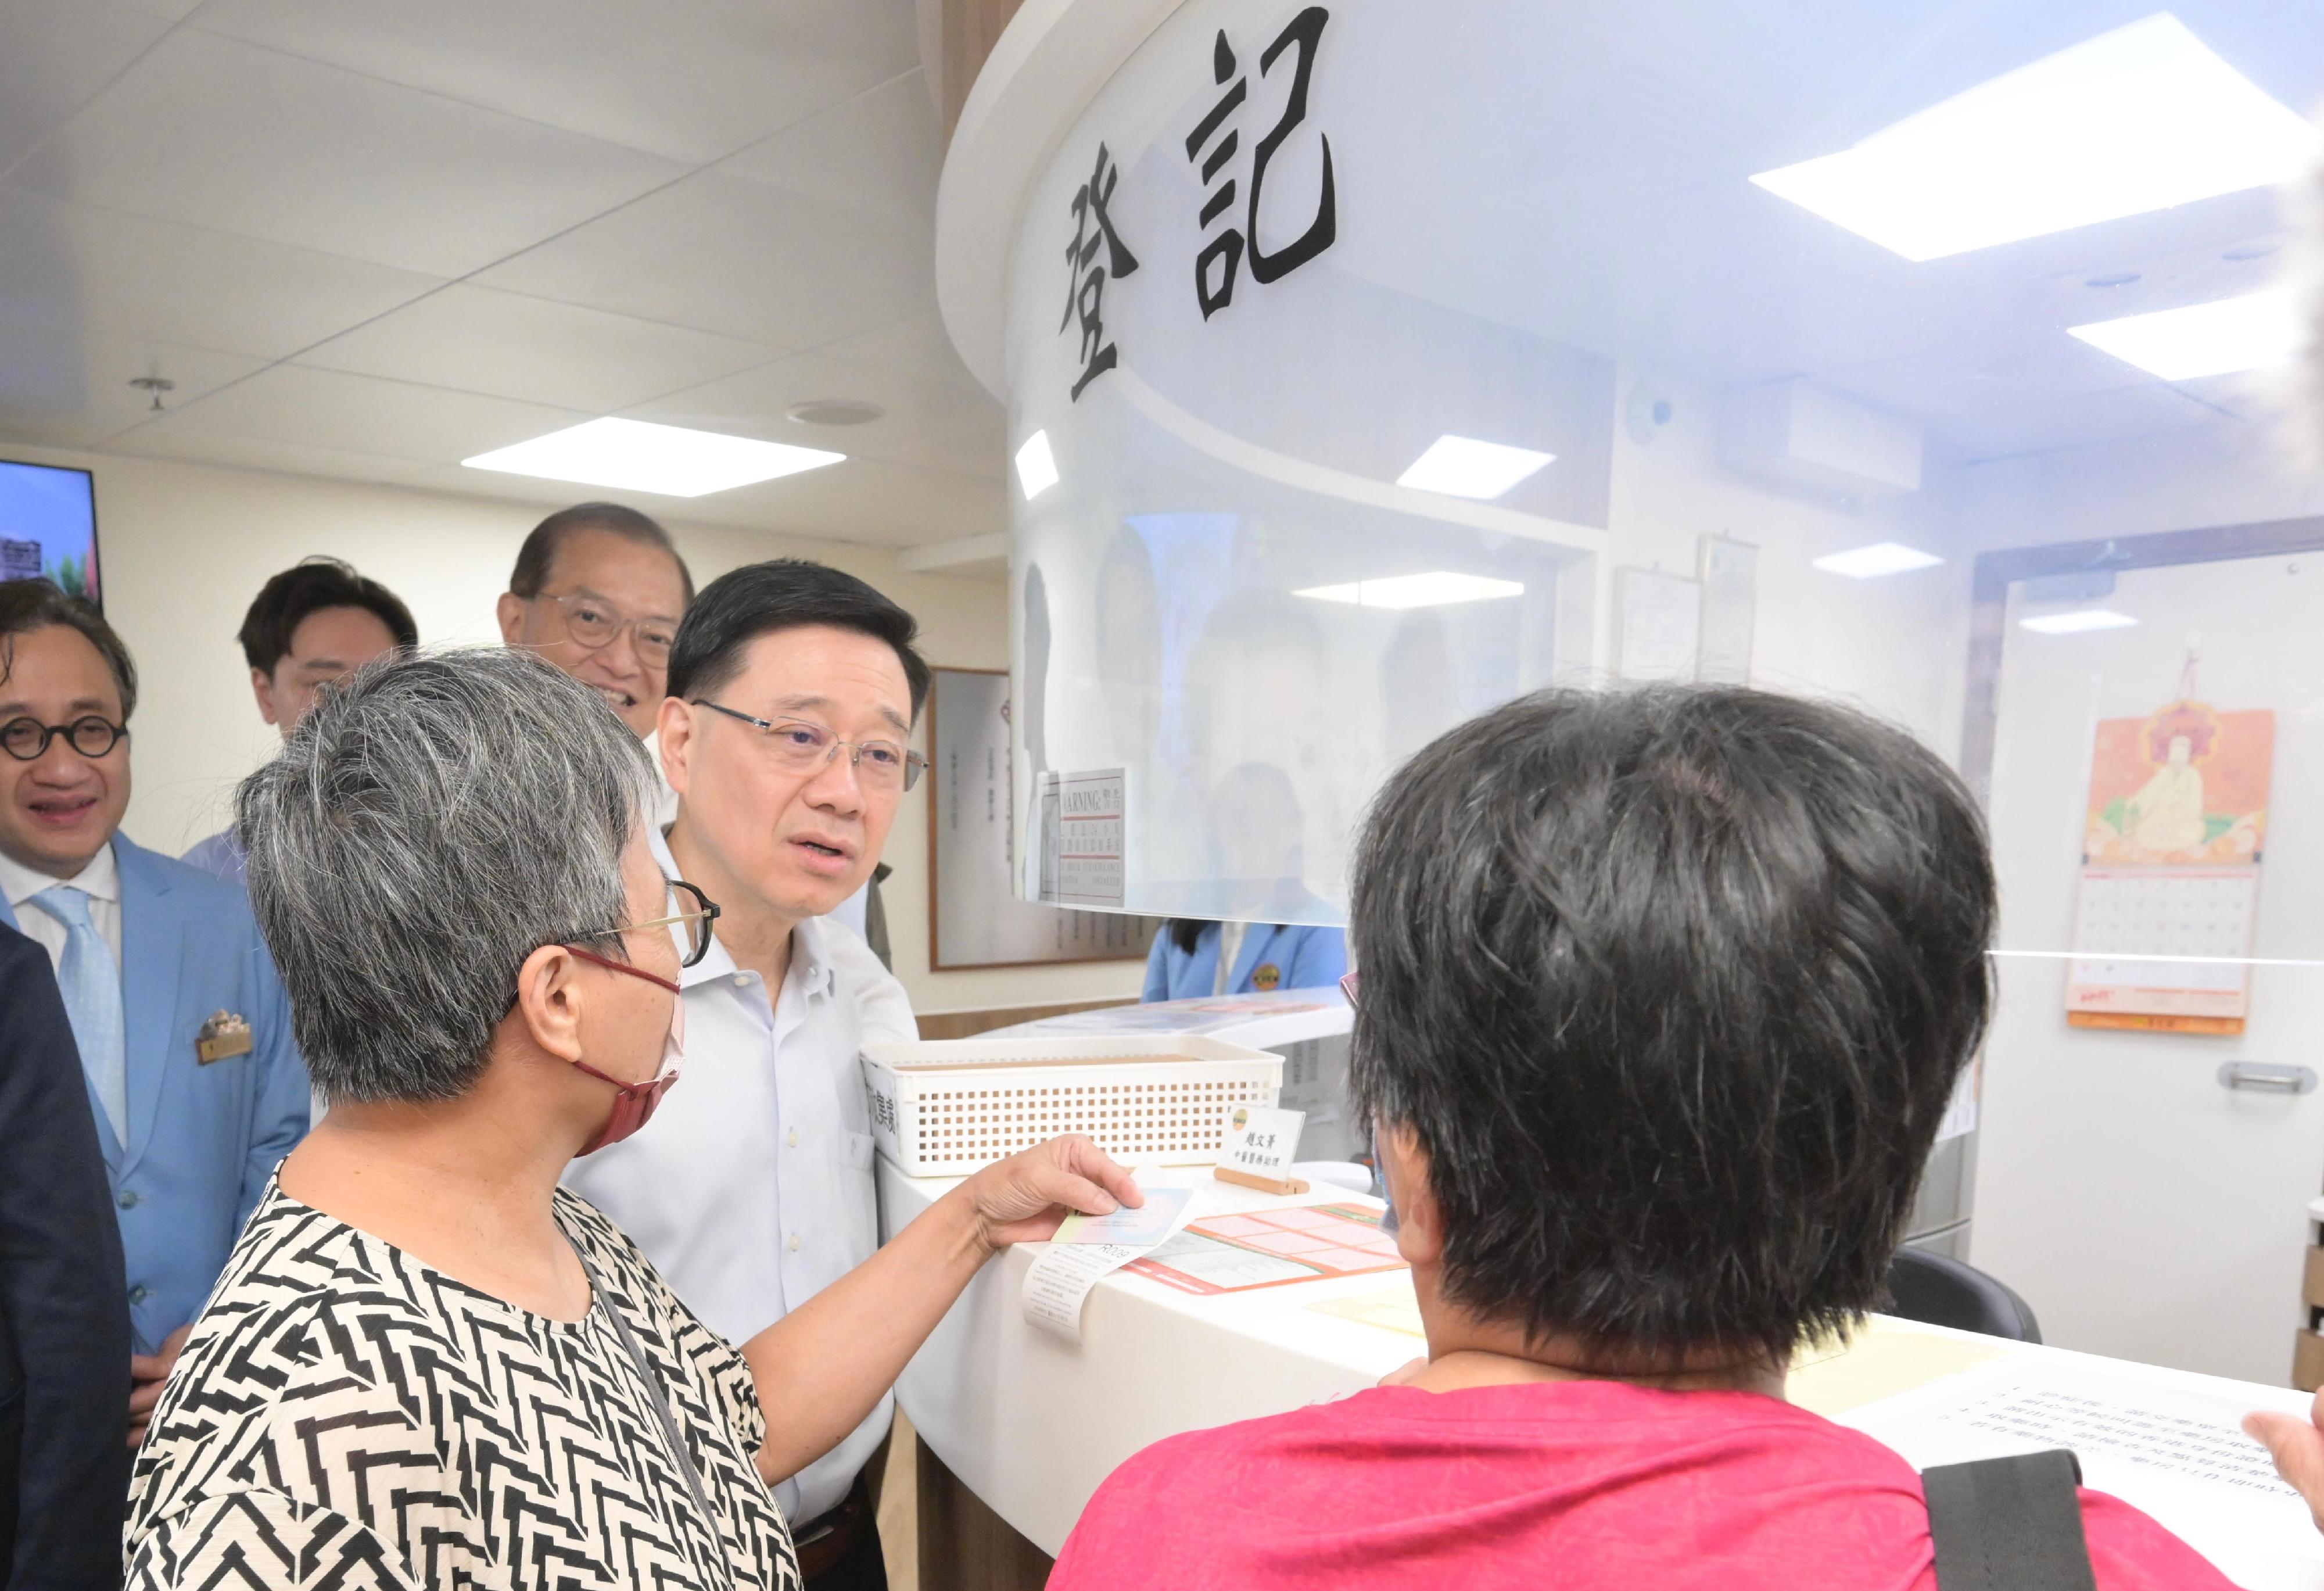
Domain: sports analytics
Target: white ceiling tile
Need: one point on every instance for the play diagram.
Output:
(215, 133)
(54, 57)
(935, 413)
(726, 255)
(691, 79)
(880, 153)
(288, 457)
(362, 414)
(135, 276)
(511, 345)
(70, 387)
(867, 500)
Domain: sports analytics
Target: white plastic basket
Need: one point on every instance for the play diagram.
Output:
(944, 1108)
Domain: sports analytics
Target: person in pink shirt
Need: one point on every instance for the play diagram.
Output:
(1663, 994)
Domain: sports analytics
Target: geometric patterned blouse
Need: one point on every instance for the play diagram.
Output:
(345, 1418)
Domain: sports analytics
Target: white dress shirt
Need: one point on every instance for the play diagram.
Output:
(752, 1188)
(100, 880)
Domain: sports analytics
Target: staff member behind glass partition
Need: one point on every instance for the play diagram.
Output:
(1664, 995)
(316, 622)
(793, 692)
(427, 1365)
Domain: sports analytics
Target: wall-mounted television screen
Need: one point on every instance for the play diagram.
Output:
(47, 527)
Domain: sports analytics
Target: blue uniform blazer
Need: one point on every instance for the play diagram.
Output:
(203, 1139)
(1302, 957)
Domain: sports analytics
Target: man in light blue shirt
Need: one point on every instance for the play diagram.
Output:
(793, 691)
(184, 1033)
(310, 624)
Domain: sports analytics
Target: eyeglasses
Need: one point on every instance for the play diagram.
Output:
(27, 739)
(697, 922)
(1348, 987)
(591, 624)
(801, 748)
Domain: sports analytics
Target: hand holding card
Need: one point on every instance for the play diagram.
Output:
(1138, 1228)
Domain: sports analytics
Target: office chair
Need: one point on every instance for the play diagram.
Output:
(1945, 1292)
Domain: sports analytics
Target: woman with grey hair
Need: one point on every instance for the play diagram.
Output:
(427, 1365)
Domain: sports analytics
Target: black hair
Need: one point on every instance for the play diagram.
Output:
(1672, 986)
(1185, 933)
(539, 554)
(784, 594)
(306, 589)
(26, 605)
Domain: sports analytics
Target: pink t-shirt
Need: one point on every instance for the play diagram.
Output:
(1580, 1485)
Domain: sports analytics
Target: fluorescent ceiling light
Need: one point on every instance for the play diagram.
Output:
(1882, 558)
(669, 461)
(1440, 588)
(1463, 467)
(2075, 623)
(1036, 467)
(2226, 335)
(2135, 120)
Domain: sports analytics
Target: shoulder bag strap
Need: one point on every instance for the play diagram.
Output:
(2009, 1524)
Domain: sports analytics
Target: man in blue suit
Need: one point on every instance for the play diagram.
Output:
(183, 1030)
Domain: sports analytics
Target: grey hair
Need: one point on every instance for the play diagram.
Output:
(435, 821)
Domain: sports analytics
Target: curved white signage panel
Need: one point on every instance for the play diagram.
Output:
(1370, 364)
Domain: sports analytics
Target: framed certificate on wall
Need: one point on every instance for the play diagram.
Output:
(975, 917)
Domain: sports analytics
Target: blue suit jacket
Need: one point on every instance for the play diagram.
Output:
(203, 1139)
(1303, 958)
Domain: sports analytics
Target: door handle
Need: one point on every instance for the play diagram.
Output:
(2271, 1080)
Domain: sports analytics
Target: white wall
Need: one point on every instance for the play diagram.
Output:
(184, 547)
(1895, 646)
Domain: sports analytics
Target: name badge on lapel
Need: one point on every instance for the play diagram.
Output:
(224, 1035)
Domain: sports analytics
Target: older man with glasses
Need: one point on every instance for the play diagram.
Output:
(599, 591)
(786, 733)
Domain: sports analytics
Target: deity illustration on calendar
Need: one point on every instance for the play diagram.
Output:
(2184, 786)
(2173, 839)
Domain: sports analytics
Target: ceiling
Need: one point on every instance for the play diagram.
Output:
(366, 241)
(1610, 175)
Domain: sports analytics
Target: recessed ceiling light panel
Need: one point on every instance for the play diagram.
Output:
(1882, 558)
(2139, 119)
(1438, 588)
(834, 411)
(1036, 467)
(2079, 622)
(2217, 338)
(669, 461)
(1463, 467)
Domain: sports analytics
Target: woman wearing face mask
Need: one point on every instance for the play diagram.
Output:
(425, 1365)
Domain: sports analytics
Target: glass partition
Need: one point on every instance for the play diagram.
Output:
(1370, 364)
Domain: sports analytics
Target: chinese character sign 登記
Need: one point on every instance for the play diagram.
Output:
(1095, 252)
(1216, 140)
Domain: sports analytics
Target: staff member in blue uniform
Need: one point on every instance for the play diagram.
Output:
(1258, 832)
(1191, 958)
(183, 1030)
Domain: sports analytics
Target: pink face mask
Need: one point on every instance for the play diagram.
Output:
(635, 1103)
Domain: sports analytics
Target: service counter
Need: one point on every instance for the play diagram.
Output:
(1030, 1424)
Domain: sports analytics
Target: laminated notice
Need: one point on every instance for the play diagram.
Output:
(1061, 1278)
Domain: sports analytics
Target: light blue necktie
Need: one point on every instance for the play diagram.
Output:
(91, 985)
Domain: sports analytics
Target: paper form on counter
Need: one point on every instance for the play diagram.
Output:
(2166, 1444)
(1269, 1248)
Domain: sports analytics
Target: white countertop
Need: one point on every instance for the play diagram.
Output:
(1032, 1423)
